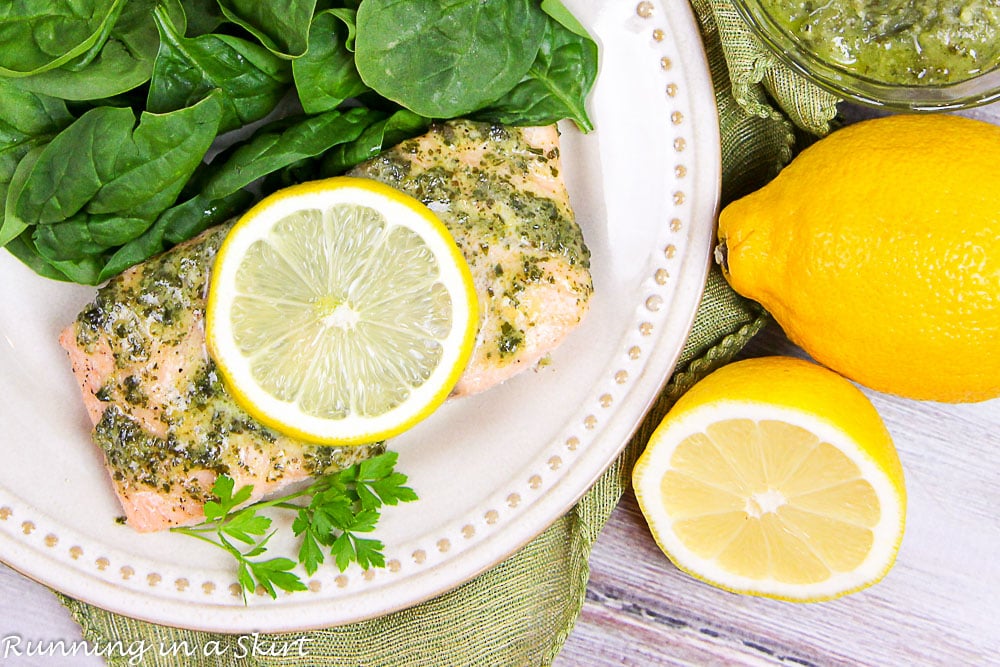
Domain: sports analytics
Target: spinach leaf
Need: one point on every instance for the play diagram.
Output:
(47, 35)
(80, 270)
(90, 247)
(273, 148)
(558, 11)
(84, 272)
(79, 238)
(27, 122)
(82, 60)
(124, 61)
(380, 134)
(251, 79)
(446, 58)
(20, 247)
(556, 85)
(152, 167)
(197, 214)
(283, 27)
(13, 225)
(25, 114)
(176, 224)
(106, 180)
(326, 75)
(377, 137)
(203, 17)
(107, 107)
(104, 164)
(350, 19)
(283, 143)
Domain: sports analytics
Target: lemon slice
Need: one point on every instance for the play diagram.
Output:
(774, 477)
(340, 311)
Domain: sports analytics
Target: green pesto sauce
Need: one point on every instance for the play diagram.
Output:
(203, 439)
(481, 205)
(155, 304)
(511, 338)
(925, 42)
(321, 459)
(133, 454)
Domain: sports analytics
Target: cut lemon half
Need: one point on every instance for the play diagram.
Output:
(340, 311)
(774, 477)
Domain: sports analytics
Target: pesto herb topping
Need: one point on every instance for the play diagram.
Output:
(500, 210)
(138, 457)
(156, 303)
(511, 338)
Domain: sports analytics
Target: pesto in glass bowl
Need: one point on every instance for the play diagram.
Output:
(900, 54)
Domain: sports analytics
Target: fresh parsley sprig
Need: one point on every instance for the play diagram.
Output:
(331, 515)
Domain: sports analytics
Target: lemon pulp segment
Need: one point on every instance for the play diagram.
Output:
(767, 499)
(311, 327)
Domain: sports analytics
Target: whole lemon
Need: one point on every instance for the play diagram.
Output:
(877, 250)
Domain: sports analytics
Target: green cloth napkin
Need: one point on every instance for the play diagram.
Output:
(521, 611)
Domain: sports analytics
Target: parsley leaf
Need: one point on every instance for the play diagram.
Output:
(330, 514)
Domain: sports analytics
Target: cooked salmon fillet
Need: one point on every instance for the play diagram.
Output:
(164, 420)
(500, 192)
(166, 424)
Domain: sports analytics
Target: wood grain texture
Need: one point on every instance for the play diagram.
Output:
(29, 612)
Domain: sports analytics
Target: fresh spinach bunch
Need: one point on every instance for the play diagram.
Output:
(113, 112)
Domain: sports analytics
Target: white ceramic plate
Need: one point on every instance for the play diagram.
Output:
(492, 471)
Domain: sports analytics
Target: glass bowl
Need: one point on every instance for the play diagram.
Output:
(841, 80)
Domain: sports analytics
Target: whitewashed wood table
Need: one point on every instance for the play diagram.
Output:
(940, 605)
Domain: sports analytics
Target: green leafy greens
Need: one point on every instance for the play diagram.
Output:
(444, 58)
(252, 79)
(127, 126)
(41, 38)
(331, 515)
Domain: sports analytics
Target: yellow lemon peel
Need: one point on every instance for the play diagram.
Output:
(878, 252)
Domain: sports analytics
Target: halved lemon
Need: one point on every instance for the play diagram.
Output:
(775, 477)
(340, 311)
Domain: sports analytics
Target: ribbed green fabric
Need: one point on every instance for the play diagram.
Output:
(521, 611)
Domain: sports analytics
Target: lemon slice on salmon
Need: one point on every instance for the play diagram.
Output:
(775, 477)
(340, 311)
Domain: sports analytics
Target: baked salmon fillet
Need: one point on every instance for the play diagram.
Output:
(499, 190)
(163, 418)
